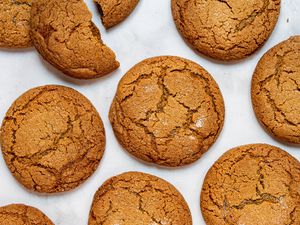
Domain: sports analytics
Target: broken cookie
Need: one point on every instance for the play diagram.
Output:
(137, 198)
(14, 23)
(114, 12)
(254, 184)
(226, 29)
(52, 139)
(276, 90)
(63, 33)
(167, 110)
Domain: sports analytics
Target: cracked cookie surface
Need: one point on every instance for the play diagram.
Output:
(254, 184)
(63, 33)
(167, 110)
(115, 11)
(14, 23)
(138, 199)
(18, 214)
(52, 139)
(276, 90)
(226, 29)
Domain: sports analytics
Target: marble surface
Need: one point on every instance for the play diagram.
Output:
(148, 32)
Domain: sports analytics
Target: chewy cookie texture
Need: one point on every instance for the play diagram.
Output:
(137, 198)
(14, 23)
(167, 110)
(18, 214)
(52, 139)
(115, 11)
(276, 90)
(254, 184)
(226, 29)
(63, 33)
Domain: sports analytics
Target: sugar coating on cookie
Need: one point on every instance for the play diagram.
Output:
(52, 139)
(14, 23)
(115, 11)
(137, 198)
(167, 110)
(254, 184)
(226, 29)
(276, 90)
(18, 214)
(63, 33)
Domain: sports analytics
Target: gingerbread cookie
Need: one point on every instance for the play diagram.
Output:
(14, 23)
(226, 29)
(115, 11)
(276, 90)
(254, 184)
(167, 110)
(18, 214)
(137, 198)
(63, 33)
(52, 139)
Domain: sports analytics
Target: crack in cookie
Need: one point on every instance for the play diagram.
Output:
(19, 214)
(14, 23)
(254, 184)
(63, 33)
(275, 90)
(135, 198)
(168, 111)
(114, 12)
(52, 139)
(226, 29)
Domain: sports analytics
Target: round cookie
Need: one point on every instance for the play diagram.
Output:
(254, 184)
(276, 90)
(167, 110)
(226, 29)
(137, 198)
(63, 33)
(115, 11)
(18, 214)
(52, 139)
(14, 23)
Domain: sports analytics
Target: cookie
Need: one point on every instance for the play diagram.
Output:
(114, 12)
(52, 139)
(14, 23)
(63, 33)
(276, 90)
(137, 198)
(254, 184)
(167, 110)
(18, 214)
(226, 29)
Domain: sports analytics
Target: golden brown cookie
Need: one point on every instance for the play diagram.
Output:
(167, 110)
(137, 198)
(226, 29)
(115, 11)
(18, 214)
(63, 33)
(14, 23)
(254, 184)
(276, 90)
(52, 139)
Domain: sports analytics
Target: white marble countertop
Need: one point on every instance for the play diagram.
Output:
(148, 32)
